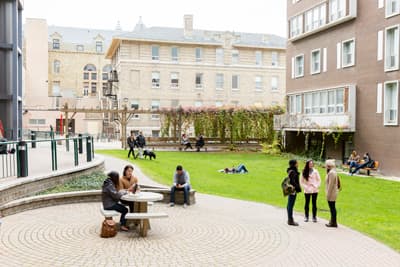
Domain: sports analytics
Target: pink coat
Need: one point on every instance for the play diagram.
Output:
(312, 185)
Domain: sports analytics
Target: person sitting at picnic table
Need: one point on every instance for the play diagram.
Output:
(181, 183)
(240, 169)
(368, 163)
(199, 142)
(110, 197)
(353, 161)
(185, 142)
(128, 182)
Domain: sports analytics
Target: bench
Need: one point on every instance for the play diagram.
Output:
(113, 213)
(375, 168)
(143, 217)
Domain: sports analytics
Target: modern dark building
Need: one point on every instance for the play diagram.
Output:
(11, 67)
(343, 83)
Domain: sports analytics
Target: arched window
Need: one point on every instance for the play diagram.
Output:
(56, 66)
(90, 80)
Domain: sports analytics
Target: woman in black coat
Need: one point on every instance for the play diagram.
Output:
(293, 174)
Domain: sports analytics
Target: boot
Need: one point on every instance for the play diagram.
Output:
(332, 223)
(306, 219)
(292, 222)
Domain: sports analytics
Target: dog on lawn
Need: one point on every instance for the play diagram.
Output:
(149, 153)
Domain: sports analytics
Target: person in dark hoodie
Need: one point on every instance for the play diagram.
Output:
(110, 197)
(293, 174)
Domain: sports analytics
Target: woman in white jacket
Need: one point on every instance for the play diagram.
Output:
(310, 180)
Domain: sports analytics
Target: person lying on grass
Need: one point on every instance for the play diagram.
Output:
(240, 169)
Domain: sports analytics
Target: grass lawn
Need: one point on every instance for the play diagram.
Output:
(369, 205)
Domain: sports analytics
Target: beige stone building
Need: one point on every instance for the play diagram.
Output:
(161, 67)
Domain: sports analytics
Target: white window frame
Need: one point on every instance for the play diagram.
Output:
(339, 10)
(219, 84)
(201, 84)
(155, 105)
(386, 120)
(259, 57)
(308, 103)
(153, 55)
(154, 83)
(274, 83)
(56, 66)
(219, 56)
(258, 82)
(296, 66)
(339, 106)
(200, 58)
(396, 49)
(174, 58)
(388, 8)
(353, 55)
(296, 25)
(331, 105)
(135, 104)
(237, 82)
(174, 76)
(235, 57)
(295, 105)
(312, 63)
(274, 58)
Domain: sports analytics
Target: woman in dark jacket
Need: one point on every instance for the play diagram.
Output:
(293, 174)
(110, 197)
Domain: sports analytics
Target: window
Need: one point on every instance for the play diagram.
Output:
(295, 104)
(274, 58)
(155, 79)
(392, 7)
(258, 58)
(299, 66)
(337, 9)
(79, 48)
(198, 103)
(99, 47)
(259, 83)
(274, 83)
(37, 121)
(219, 56)
(315, 18)
(235, 103)
(392, 49)
(219, 81)
(155, 133)
(199, 80)
(106, 72)
(218, 104)
(348, 51)
(135, 104)
(339, 101)
(199, 54)
(93, 89)
(155, 52)
(104, 76)
(235, 56)
(391, 103)
(323, 100)
(296, 26)
(174, 79)
(235, 82)
(331, 101)
(316, 61)
(307, 103)
(174, 53)
(56, 88)
(155, 105)
(94, 76)
(315, 103)
(56, 66)
(56, 43)
(85, 88)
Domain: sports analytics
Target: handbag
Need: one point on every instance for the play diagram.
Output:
(108, 228)
(287, 187)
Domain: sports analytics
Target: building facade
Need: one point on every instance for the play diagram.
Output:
(11, 68)
(65, 65)
(343, 83)
(161, 67)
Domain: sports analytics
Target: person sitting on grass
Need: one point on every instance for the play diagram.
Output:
(110, 197)
(181, 183)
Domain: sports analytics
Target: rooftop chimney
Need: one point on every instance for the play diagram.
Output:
(188, 26)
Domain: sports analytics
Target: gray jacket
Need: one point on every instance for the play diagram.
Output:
(109, 194)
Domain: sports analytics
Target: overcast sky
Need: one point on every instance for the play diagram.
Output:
(259, 16)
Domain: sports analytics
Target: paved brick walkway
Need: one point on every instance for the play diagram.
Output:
(214, 232)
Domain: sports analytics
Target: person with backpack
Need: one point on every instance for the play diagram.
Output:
(310, 181)
(293, 175)
(332, 189)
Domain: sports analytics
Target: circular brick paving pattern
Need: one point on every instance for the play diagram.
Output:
(214, 232)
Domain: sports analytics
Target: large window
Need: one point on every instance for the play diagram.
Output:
(258, 82)
(299, 66)
(135, 104)
(337, 9)
(274, 83)
(307, 103)
(274, 58)
(219, 56)
(56, 43)
(296, 26)
(315, 61)
(219, 81)
(324, 102)
(56, 66)
(174, 53)
(315, 18)
(155, 79)
(155, 52)
(295, 104)
(174, 79)
(199, 80)
(392, 49)
(199, 54)
(155, 106)
(391, 103)
(348, 53)
(56, 89)
(235, 57)
(392, 7)
(235, 82)
(99, 47)
(258, 58)
(90, 80)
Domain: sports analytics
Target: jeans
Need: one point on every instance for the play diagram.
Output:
(332, 209)
(290, 205)
(140, 152)
(130, 204)
(131, 150)
(185, 189)
(353, 164)
(121, 209)
(313, 196)
(241, 169)
(360, 166)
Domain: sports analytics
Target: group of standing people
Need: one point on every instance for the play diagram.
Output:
(310, 181)
(138, 141)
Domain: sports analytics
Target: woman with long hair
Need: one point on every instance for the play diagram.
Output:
(293, 174)
(310, 180)
(128, 181)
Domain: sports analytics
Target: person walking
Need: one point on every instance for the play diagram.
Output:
(293, 174)
(332, 189)
(311, 181)
(141, 143)
(131, 143)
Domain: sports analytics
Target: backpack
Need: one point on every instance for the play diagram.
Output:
(287, 187)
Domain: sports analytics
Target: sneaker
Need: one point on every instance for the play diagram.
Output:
(185, 206)
(171, 204)
(305, 219)
(314, 219)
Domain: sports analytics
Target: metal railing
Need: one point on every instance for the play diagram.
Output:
(14, 154)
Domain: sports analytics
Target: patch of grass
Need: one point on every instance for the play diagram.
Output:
(366, 204)
(91, 181)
